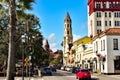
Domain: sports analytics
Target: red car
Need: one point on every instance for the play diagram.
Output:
(83, 74)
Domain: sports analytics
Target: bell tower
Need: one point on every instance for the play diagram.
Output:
(68, 37)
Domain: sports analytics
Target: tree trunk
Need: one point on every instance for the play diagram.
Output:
(12, 32)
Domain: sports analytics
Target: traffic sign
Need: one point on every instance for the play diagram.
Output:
(26, 62)
(26, 59)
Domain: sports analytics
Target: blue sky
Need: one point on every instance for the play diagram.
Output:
(52, 14)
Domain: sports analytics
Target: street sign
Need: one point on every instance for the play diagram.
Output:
(26, 62)
(26, 59)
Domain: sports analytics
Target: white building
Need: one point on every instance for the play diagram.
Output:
(102, 15)
(106, 47)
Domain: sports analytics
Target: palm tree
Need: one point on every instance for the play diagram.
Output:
(12, 36)
(17, 20)
(12, 29)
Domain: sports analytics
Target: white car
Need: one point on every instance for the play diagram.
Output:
(68, 69)
(62, 68)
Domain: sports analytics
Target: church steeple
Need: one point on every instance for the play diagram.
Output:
(68, 37)
(68, 27)
(47, 47)
(67, 17)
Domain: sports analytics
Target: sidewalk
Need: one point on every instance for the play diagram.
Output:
(104, 75)
(25, 78)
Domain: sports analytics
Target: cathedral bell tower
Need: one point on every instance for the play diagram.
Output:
(68, 38)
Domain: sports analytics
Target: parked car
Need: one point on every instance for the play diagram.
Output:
(69, 69)
(63, 68)
(46, 71)
(1, 69)
(75, 69)
(53, 69)
(83, 74)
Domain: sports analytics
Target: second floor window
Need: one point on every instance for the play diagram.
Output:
(96, 46)
(103, 44)
(115, 44)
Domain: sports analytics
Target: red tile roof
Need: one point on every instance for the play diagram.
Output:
(113, 31)
(110, 31)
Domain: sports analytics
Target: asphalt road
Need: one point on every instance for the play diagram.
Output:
(64, 75)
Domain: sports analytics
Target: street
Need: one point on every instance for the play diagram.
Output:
(63, 75)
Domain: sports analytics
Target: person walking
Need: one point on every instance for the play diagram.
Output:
(39, 72)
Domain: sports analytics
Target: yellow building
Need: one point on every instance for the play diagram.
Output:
(84, 52)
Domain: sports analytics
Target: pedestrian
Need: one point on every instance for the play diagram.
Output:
(39, 72)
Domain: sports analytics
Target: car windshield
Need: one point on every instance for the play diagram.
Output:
(86, 71)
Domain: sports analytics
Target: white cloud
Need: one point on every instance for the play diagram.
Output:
(54, 45)
(52, 42)
(76, 37)
(51, 36)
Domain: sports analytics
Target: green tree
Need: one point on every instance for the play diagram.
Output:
(24, 24)
(11, 4)
(58, 60)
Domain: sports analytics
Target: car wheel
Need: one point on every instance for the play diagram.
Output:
(76, 77)
(80, 79)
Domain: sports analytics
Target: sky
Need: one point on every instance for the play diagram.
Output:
(52, 14)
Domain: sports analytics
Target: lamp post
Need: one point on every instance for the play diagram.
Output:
(23, 41)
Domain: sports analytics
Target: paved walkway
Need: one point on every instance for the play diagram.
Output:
(112, 76)
(25, 78)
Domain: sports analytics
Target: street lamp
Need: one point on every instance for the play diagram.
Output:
(23, 41)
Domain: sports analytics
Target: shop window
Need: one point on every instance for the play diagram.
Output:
(117, 64)
(86, 65)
